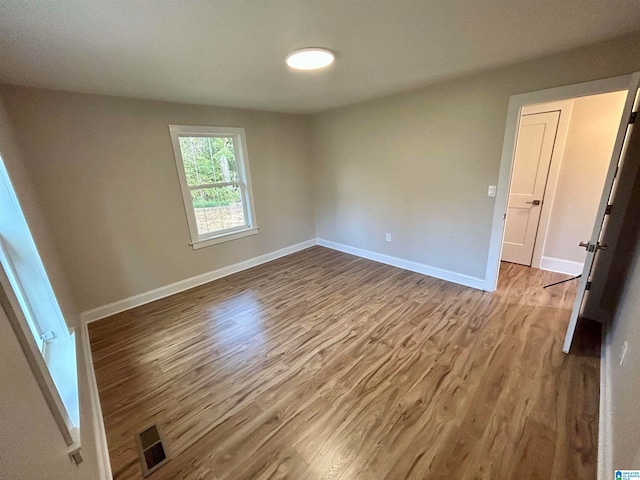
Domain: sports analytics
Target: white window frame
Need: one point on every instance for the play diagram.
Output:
(244, 182)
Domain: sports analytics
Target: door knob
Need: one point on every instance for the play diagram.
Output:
(534, 202)
(592, 248)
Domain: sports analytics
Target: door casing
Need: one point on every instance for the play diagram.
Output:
(516, 105)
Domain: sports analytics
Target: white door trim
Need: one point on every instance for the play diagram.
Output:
(565, 107)
(516, 104)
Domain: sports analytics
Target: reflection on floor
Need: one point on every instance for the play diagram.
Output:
(325, 365)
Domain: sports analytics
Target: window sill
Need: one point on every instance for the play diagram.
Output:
(225, 237)
(60, 357)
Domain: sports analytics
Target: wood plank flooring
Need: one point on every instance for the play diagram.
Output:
(324, 365)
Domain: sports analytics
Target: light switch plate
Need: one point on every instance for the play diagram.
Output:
(492, 191)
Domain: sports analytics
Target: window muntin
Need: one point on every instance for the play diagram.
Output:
(215, 182)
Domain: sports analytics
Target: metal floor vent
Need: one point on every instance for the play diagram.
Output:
(151, 450)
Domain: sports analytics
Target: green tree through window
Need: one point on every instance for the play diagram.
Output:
(213, 170)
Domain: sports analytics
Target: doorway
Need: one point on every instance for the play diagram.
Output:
(615, 191)
(563, 151)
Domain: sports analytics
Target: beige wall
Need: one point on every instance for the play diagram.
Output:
(624, 385)
(587, 154)
(417, 164)
(12, 157)
(105, 175)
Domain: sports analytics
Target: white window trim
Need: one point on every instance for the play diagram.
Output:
(9, 303)
(244, 174)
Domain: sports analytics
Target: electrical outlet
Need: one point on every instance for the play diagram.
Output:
(387, 237)
(625, 347)
(492, 191)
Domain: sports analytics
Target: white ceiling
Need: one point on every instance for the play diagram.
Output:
(231, 52)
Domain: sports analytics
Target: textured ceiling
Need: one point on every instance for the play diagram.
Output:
(231, 52)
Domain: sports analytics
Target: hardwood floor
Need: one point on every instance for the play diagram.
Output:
(325, 365)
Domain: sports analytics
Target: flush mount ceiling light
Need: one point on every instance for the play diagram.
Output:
(310, 58)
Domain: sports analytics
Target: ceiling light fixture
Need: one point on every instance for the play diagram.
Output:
(310, 58)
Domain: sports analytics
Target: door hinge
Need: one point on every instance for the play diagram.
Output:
(632, 119)
(588, 286)
(607, 211)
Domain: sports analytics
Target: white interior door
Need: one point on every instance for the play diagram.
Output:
(534, 148)
(625, 131)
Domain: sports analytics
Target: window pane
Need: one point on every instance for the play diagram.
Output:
(218, 208)
(208, 160)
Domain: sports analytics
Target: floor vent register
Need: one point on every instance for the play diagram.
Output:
(151, 449)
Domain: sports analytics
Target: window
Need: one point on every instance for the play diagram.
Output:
(30, 305)
(216, 185)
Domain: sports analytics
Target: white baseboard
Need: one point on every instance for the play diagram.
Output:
(605, 434)
(561, 266)
(167, 290)
(161, 292)
(435, 272)
(102, 449)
